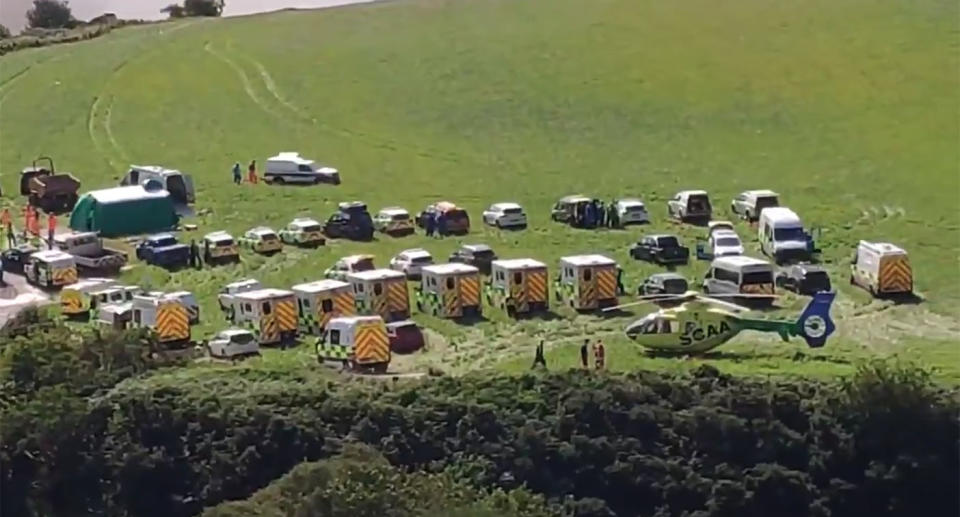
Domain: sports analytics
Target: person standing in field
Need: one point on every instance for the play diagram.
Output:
(51, 229)
(7, 223)
(194, 254)
(585, 354)
(252, 172)
(613, 218)
(539, 359)
(601, 214)
(237, 177)
(441, 225)
(599, 353)
(428, 224)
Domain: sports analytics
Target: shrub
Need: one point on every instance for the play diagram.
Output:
(50, 14)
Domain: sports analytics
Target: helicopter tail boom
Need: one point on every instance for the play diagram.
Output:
(815, 324)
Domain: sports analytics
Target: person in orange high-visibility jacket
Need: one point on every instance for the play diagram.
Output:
(33, 225)
(252, 172)
(51, 229)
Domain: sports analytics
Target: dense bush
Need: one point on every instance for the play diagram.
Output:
(361, 482)
(700, 444)
(50, 14)
(5, 32)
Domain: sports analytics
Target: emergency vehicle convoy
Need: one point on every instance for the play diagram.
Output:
(352, 317)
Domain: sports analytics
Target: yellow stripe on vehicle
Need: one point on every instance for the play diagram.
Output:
(606, 283)
(397, 295)
(470, 290)
(286, 314)
(896, 276)
(537, 286)
(269, 333)
(173, 322)
(344, 304)
(451, 304)
(371, 344)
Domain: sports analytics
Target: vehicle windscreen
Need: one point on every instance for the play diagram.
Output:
(698, 202)
(668, 242)
(817, 281)
(223, 243)
(767, 202)
(312, 228)
(242, 339)
(728, 241)
(675, 286)
(421, 260)
(456, 216)
(160, 243)
(407, 332)
(789, 234)
(757, 277)
(636, 209)
(400, 217)
(269, 237)
(364, 265)
(513, 211)
(483, 255)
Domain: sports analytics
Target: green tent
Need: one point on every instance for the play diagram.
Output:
(119, 211)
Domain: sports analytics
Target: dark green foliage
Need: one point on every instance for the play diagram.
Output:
(174, 11)
(361, 482)
(700, 444)
(5, 32)
(203, 7)
(50, 14)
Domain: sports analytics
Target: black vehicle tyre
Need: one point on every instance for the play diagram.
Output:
(279, 180)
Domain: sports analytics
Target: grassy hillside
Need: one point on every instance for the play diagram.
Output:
(847, 109)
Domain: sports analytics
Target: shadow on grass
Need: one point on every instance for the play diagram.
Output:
(470, 320)
(903, 298)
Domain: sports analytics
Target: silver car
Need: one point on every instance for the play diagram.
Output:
(505, 215)
(410, 262)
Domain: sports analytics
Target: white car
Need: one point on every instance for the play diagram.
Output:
(290, 167)
(505, 215)
(233, 343)
(632, 211)
(410, 262)
(725, 243)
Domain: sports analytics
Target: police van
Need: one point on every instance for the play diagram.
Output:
(290, 167)
(739, 275)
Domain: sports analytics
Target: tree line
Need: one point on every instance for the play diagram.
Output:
(90, 423)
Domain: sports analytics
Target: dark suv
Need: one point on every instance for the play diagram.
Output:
(807, 279)
(350, 221)
(477, 255)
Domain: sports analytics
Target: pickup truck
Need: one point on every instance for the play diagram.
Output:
(661, 249)
(163, 250)
(89, 252)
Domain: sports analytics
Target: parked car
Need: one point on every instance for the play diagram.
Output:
(748, 205)
(15, 258)
(690, 205)
(349, 264)
(164, 251)
(410, 262)
(661, 249)
(89, 253)
(454, 219)
(477, 255)
(721, 243)
(233, 343)
(405, 337)
(505, 215)
(632, 211)
(572, 210)
(806, 279)
(303, 231)
(290, 167)
(261, 240)
(394, 221)
(663, 283)
(350, 221)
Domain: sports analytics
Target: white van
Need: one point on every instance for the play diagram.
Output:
(739, 275)
(290, 167)
(782, 235)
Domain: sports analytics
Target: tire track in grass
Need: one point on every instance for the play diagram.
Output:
(244, 79)
(369, 139)
(112, 151)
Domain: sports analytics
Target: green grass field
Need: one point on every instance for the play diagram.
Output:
(848, 109)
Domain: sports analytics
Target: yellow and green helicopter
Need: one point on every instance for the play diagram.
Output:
(699, 323)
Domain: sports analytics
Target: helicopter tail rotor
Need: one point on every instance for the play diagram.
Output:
(815, 324)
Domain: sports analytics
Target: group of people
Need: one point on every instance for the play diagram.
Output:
(434, 224)
(599, 355)
(596, 213)
(251, 173)
(31, 225)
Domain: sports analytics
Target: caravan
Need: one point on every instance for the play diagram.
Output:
(178, 184)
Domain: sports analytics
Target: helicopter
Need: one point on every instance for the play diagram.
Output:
(700, 324)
